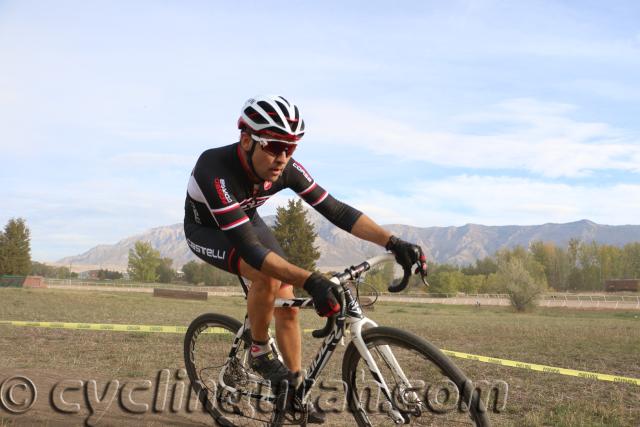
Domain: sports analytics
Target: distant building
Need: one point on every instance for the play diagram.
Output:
(621, 285)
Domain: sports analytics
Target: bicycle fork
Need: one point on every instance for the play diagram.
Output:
(389, 359)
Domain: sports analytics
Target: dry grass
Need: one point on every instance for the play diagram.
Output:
(599, 341)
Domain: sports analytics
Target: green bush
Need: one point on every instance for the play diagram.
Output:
(523, 288)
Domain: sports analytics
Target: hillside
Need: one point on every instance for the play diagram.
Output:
(458, 245)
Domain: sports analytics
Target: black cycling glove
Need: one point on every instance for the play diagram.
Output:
(322, 290)
(407, 254)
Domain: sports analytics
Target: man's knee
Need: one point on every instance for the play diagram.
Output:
(260, 282)
(264, 283)
(286, 314)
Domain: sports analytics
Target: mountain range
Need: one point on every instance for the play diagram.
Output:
(456, 245)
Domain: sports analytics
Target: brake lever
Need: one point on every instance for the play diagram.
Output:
(422, 269)
(423, 276)
(331, 320)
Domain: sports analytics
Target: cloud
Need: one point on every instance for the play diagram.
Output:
(500, 201)
(97, 212)
(89, 214)
(614, 90)
(538, 137)
(79, 216)
(154, 160)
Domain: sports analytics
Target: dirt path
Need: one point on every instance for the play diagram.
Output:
(71, 398)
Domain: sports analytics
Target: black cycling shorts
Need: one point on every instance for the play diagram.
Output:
(212, 246)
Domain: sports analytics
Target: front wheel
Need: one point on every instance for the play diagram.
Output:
(425, 387)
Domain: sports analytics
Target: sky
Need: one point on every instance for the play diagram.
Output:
(424, 113)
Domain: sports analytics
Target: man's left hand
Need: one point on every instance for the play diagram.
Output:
(407, 254)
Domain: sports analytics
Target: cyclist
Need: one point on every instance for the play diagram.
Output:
(223, 228)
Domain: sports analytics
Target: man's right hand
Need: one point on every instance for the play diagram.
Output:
(322, 290)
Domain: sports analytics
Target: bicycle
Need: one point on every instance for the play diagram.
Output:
(411, 375)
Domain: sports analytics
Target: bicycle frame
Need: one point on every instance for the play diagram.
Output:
(351, 317)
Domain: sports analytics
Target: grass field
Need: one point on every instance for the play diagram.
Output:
(598, 341)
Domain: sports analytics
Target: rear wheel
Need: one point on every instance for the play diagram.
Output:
(428, 389)
(207, 346)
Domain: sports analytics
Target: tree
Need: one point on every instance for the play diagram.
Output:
(40, 269)
(109, 275)
(483, 266)
(296, 235)
(15, 249)
(449, 282)
(213, 276)
(555, 261)
(492, 284)
(631, 263)
(533, 267)
(192, 272)
(143, 262)
(203, 273)
(522, 286)
(165, 271)
(473, 283)
(381, 277)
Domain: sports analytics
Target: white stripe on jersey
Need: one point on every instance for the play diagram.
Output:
(225, 209)
(194, 191)
(235, 224)
(309, 188)
(321, 199)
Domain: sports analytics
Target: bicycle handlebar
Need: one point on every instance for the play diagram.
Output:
(321, 333)
(354, 272)
(403, 283)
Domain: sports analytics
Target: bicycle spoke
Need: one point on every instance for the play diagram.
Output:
(421, 391)
(207, 355)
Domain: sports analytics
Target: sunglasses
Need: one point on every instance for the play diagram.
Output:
(274, 146)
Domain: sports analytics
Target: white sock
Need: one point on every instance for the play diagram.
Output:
(258, 348)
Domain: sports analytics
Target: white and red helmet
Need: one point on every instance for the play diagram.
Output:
(272, 117)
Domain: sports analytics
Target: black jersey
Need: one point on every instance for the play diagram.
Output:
(221, 195)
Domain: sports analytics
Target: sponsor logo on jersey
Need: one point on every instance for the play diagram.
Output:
(221, 188)
(211, 253)
(267, 185)
(247, 204)
(302, 171)
(196, 216)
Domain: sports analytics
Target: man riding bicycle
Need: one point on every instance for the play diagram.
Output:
(223, 228)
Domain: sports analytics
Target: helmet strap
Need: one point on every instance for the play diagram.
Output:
(250, 160)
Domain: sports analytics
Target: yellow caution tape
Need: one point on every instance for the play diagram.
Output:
(106, 327)
(113, 327)
(544, 368)
(183, 329)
